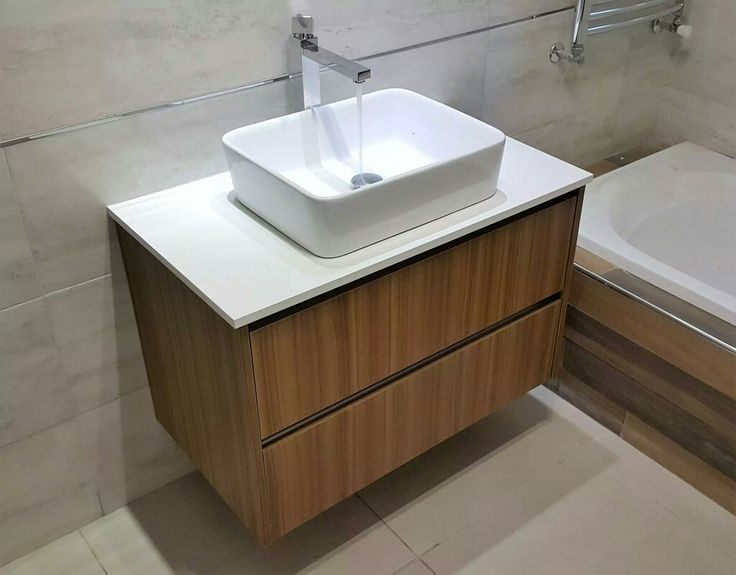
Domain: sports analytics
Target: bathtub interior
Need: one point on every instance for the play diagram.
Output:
(670, 219)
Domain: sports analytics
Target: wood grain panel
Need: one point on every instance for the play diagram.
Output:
(656, 333)
(716, 449)
(201, 381)
(316, 357)
(652, 372)
(318, 466)
(588, 400)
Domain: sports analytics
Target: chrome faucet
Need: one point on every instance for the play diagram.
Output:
(313, 57)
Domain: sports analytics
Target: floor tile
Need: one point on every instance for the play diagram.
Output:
(685, 501)
(68, 555)
(184, 528)
(586, 515)
(430, 498)
(416, 567)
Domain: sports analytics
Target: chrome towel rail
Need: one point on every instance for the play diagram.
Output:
(597, 16)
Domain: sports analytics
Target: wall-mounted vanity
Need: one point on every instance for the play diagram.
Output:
(293, 381)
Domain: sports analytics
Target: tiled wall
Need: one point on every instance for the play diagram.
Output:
(77, 433)
(699, 103)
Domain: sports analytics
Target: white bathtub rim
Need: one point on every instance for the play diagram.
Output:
(605, 240)
(665, 277)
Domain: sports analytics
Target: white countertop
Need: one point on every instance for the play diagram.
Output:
(246, 270)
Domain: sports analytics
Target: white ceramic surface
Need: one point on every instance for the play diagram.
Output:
(245, 270)
(670, 219)
(295, 171)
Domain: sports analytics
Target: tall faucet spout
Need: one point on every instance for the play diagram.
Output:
(314, 57)
(353, 70)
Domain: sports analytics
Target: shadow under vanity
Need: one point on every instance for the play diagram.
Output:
(288, 413)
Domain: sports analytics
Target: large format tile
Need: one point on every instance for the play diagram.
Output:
(65, 63)
(185, 528)
(455, 77)
(355, 29)
(63, 183)
(416, 567)
(580, 139)
(686, 117)
(706, 63)
(507, 10)
(18, 281)
(68, 555)
(682, 499)
(33, 388)
(524, 91)
(131, 452)
(46, 489)
(649, 69)
(589, 514)
(430, 498)
(95, 329)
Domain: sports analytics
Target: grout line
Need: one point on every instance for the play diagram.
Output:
(91, 549)
(72, 417)
(423, 562)
(357, 494)
(260, 83)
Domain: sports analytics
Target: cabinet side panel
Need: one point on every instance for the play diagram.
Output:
(201, 381)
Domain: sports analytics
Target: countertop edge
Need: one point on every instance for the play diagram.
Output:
(434, 240)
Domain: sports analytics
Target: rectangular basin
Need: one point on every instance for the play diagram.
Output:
(295, 171)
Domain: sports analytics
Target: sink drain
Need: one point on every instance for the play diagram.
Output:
(360, 180)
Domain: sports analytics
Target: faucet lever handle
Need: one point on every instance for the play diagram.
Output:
(302, 27)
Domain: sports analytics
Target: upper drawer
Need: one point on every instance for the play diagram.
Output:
(318, 356)
(315, 467)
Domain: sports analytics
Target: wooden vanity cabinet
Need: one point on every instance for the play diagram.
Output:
(292, 414)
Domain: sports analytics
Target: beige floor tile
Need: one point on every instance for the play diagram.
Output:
(583, 516)
(416, 567)
(427, 500)
(68, 555)
(656, 483)
(184, 528)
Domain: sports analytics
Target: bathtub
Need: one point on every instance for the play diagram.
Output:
(670, 219)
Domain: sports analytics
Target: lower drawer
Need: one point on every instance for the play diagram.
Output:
(318, 466)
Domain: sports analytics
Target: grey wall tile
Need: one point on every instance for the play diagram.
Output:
(68, 62)
(63, 183)
(18, 280)
(700, 104)
(95, 329)
(524, 91)
(506, 10)
(706, 63)
(33, 389)
(46, 489)
(687, 117)
(580, 139)
(455, 76)
(132, 453)
(356, 29)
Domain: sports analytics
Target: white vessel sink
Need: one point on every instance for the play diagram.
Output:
(295, 171)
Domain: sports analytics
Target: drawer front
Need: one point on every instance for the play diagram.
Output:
(318, 466)
(318, 356)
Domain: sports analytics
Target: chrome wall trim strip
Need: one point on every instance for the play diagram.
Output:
(251, 85)
(623, 291)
